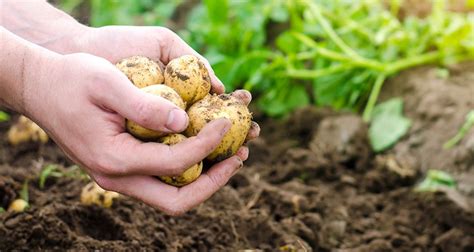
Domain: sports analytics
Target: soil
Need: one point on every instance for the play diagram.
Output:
(312, 183)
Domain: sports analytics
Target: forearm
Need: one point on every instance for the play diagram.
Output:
(42, 24)
(21, 65)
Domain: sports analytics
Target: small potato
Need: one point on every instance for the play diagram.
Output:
(141, 71)
(159, 90)
(189, 77)
(26, 130)
(94, 194)
(221, 106)
(18, 205)
(190, 174)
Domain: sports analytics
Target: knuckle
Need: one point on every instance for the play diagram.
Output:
(144, 110)
(106, 164)
(218, 180)
(166, 35)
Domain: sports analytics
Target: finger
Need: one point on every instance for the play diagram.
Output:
(254, 132)
(135, 157)
(243, 95)
(243, 153)
(170, 199)
(174, 47)
(149, 111)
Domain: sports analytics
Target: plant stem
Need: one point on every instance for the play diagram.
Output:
(330, 31)
(333, 55)
(468, 124)
(374, 94)
(402, 64)
(316, 73)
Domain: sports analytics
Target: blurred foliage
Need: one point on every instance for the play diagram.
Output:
(388, 124)
(4, 116)
(290, 53)
(462, 132)
(436, 180)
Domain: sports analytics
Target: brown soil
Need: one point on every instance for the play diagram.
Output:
(311, 184)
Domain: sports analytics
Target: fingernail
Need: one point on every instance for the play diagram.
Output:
(177, 120)
(255, 125)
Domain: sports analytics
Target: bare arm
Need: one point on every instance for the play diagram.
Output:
(20, 62)
(39, 22)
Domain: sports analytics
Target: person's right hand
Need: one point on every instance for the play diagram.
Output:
(81, 101)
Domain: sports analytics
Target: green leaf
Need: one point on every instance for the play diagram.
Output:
(217, 10)
(45, 173)
(287, 43)
(388, 124)
(435, 180)
(2, 210)
(24, 194)
(4, 116)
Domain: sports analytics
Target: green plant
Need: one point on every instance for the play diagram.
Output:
(2, 210)
(435, 180)
(388, 124)
(4, 116)
(24, 194)
(53, 170)
(468, 124)
(291, 53)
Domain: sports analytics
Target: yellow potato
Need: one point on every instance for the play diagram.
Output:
(26, 130)
(159, 90)
(92, 193)
(18, 205)
(190, 174)
(141, 71)
(189, 77)
(221, 106)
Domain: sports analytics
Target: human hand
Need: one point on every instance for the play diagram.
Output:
(82, 100)
(158, 43)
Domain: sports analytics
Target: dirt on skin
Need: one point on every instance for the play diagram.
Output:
(312, 183)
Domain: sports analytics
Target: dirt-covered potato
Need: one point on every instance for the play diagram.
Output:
(18, 205)
(221, 106)
(25, 130)
(141, 71)
(189, 77)
(94, 194)
(191, 174)
(159, 90)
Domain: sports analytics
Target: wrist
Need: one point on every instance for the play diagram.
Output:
(23, 66)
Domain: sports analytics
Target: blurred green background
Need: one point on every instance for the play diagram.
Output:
(291, 53)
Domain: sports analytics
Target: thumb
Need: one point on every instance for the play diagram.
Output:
(147, 110)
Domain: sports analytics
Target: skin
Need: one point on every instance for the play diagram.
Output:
(85, 113)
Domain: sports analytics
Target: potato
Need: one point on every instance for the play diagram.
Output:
(141, 71)
(159, 90)
(26, 130)
(18, 205)
(92, 193)
(190, 174)
(189, 77)
(221, 106)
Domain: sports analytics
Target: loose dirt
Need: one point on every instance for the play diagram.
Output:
(312, 183)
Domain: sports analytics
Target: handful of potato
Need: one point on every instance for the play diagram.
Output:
(185, 81)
